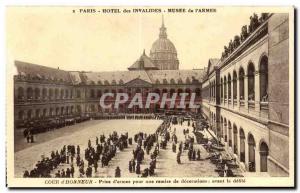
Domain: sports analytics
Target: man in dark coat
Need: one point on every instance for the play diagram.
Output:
(118, 172)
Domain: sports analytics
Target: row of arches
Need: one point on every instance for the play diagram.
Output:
(236, 81)
(48, 112)
(242, 142)
(46, 93)
(51, 94)
(187, 80)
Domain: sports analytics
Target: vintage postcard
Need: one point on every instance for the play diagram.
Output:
(150, 96)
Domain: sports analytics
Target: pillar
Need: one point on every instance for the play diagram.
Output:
(246, 152)
(246, 91)
(238, 92)
(257, 158)
(257, 91)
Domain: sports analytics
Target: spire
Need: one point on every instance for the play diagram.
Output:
(163, 29)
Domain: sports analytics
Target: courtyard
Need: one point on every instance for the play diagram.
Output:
(27, 155)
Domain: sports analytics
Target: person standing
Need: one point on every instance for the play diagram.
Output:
(118, 172)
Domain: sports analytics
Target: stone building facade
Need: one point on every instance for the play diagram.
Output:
(43, 93)
(245, 96)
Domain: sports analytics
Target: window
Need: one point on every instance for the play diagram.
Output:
(263, 70)
(241, 83)
(251, 82)
(234, 82)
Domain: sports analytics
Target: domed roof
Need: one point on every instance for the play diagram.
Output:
(163, 49)
(163, 45)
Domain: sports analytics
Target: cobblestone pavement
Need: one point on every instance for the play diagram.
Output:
(166, 162)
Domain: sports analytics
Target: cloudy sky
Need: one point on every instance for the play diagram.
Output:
(56, 37)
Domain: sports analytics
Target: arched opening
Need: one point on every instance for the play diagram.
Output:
(29, 114)
(229, 88)
(230, 134)
(251, 82)
(92, 93)
(50, 93)
(56, 93)
(51, 112)
(37, 94)
(44, 112)
(57, 111)
(62, 93)
(263, 71)
(78, 93)
(235, 138)
(241, 83)
(78, 109)
(198, 92)
(251, 147)
(20, 95)
(21, 115)
(264, 152)
(242, 145)
(29, 93)
(37, 113)
(234, 82)
(99, 94)
(67, 94)
(44, 93)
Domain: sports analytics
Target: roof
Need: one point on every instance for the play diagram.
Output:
(111, 77)
(116, 77)
(35, 71)
(212, 63)
(143, 63)
(175, 76)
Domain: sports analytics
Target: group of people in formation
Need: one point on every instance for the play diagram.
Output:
(105, 150)
(44, 167)
(144, 144)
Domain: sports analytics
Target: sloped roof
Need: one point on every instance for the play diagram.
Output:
(143, 63)
(42, 72)
(175, 75)
(212, 63)
(114, 77)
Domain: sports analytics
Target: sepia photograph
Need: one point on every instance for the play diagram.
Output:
(150, 96)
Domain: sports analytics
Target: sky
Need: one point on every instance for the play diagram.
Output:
(57, 37)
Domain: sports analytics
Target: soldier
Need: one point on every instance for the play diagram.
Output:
(95, 165)
(31, 138)
(68, 173)
(133, 165)
(178, 157)
(138, 168)
(194, 155)
(72, 171)
(97, 140)
(118, 172)
(198, 155)
(63, 173)
(130, 166)
(26, 174)
(57, 175)
(78, 150)
(145, 173)
(174, 147)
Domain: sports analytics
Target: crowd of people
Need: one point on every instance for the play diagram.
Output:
(100, 152)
